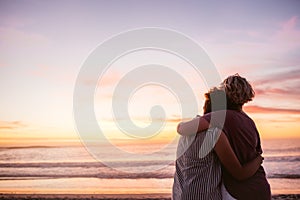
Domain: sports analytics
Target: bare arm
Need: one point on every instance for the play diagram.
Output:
(196, 125)
(231, 163)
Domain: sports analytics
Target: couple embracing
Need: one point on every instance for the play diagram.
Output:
(219, 153)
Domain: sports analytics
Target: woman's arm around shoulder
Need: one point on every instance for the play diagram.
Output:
(231, 163)
(196, 125)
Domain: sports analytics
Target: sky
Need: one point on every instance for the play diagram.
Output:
(43, 45)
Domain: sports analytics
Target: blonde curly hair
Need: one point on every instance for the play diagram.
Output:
(238, 89)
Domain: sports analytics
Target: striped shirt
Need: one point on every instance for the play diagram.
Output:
(198, 170)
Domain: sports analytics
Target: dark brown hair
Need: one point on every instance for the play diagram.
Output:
(220, 101)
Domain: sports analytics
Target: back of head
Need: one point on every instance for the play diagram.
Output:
(238, 90)
(215, 99)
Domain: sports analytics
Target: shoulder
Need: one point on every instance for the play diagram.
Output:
(246, 116)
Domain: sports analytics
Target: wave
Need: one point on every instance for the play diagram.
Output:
(282, 159)
(155, 175)
(48, 170)
(285, 176)
(289, 149)
(85, 164)
(95, 170)
(122, 175)
(51, 165)
(30, 147)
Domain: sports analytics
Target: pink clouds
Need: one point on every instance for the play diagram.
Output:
(13, 33)
(2, 65)
(51, 73)
(286, 75)
(9, 125)
(288, 36)
(108, 79)
(289, 28)
(12, 36)
(262, 48)
(284, 84)
(290, 24)
(13, 21)
(270, 110)
(41, 71)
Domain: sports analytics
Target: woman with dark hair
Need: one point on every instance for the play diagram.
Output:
(198, 170)
(242, 135)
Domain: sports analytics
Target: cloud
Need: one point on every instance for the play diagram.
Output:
(2, 65)
(284, 44)
(289, 75)
(16, 37)
(283, 85)
(288, 34)
(263, 48)
(9, 125)
(270, 110)
(146, 119)
(291, 93)
(13, 21)
(52, 73)
(108, 79)
(290, 24)
(14, 33)
(288, 119)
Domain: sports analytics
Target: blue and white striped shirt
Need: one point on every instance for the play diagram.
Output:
(198, 170)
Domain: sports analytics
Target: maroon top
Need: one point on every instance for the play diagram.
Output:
(245, 141)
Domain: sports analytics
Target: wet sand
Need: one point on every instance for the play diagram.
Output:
(112, 196)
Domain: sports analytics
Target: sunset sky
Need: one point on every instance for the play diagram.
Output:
(44, 43)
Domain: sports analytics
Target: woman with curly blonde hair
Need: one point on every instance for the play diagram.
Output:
(238, 90)
(243, 137)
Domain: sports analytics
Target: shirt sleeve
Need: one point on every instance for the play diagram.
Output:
(188, 128)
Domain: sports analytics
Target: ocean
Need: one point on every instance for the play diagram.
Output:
(72, 170)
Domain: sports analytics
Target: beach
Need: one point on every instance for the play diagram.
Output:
(69, 172)
(113, 196)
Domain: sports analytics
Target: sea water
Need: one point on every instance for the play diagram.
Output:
(71, 169)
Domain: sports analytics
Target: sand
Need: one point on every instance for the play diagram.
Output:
(113, 196)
